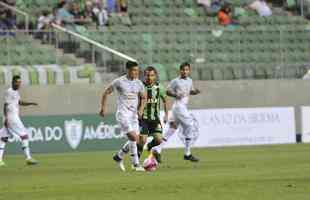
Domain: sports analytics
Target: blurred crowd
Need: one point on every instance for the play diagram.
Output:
(226, 13)
(78, 13)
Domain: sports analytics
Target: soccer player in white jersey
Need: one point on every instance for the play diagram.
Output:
(12, 122)
(180, 89)
(130, 105)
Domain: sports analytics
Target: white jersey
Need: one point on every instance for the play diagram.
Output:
(128, 93)
(12, 98)
(182, 87)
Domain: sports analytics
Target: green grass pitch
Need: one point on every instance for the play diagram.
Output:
(280, 172)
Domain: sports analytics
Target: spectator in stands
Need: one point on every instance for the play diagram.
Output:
(7, 20)
(261, 7)
(225, 16)
(122, 7)
(111, 6)
(101, 15)
(43, 25)
(79, 16)
(212, 7)
(88, 10)
(44, 20)
(63, 14)
(66, 18)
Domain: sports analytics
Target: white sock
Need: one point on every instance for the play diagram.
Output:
(26, 149)
(167, 134)
(187, 146)
(2, 147)
(123, 151)
(134, 152)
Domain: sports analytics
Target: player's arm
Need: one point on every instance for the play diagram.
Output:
(106, 93)
(142, 98)
(166, 107)
(5, 113)
(164, 99)
(171, 92)
(194, 92)
(25, 103)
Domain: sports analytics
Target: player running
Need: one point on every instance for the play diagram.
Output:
(130, 90)
(12, 122)
(181, 88)
(150, 123)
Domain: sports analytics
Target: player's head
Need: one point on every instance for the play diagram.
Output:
(185, 69)
(16, 82)
(150, 75)
(132, 69)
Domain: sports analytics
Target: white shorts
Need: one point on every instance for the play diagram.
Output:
(182, 117)
(15, 127)
(128, 122)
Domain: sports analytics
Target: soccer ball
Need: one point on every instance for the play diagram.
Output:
(150, 164)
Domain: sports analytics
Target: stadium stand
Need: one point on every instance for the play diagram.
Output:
(164, 33)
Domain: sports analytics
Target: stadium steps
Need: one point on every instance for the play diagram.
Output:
(257, 50)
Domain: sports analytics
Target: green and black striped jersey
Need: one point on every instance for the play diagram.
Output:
(155, 93)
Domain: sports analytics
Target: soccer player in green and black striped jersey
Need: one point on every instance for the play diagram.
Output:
(150, 124)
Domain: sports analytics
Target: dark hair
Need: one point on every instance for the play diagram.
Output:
(45, 13)
(131, 64)
(61, 4)
(15, 78)
(184, 65)
(150, 68)
(226, 6)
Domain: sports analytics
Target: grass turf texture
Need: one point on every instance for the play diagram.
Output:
(235, 173)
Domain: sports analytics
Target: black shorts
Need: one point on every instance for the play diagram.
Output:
(150, 127)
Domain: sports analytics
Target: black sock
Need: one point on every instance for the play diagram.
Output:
(151, 144)
(140, 149)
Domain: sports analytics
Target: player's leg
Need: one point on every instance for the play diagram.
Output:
(119, 156)
(17, 127)
(155, 130)
(131, 128)
(141, 143)
(133, 149)
(187, 123)
(168, 131)
(157, 140)
(144, 131)
(3, 141)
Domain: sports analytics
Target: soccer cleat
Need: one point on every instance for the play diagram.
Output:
(2, 164)
(119, 162)
(31, 161)
(157, 156)
(138, 168)
(191, 158)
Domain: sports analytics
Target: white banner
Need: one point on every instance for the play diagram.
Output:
(241, 126)
(305, 124)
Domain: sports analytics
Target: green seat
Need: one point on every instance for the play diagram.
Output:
(206, 74)
(217, 73)
(172, 71)
(162, 71)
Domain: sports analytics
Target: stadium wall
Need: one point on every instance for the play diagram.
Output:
(85, 98)
(67, 118)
